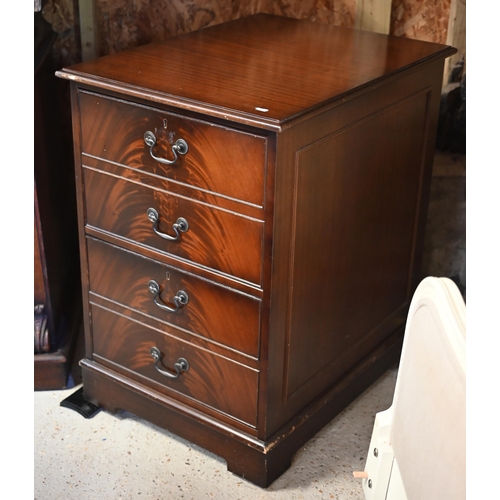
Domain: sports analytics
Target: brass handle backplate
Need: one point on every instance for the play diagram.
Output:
(181, 366)
(180, 226)
(180, 147)
(180, 299)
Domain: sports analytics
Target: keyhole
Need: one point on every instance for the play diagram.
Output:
(167, 275)
(164, 123)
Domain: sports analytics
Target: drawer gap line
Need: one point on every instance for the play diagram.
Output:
(177, 338)
(173, 181)
(190, 398)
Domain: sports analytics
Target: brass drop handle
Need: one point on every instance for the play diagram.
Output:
(180, 299)
(180, 147)
(180, 226)
(181, 366)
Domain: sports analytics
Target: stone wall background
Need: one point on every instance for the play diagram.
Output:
(124, 24)
(421, 19)
(63, 16)
(127, 23)
(445, 240)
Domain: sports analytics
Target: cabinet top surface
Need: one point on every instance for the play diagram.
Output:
(262, 69)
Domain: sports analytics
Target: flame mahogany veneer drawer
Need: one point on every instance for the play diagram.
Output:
(214, 312)
(221, 160)
(218, 239)
(213, 380)
(304, 178)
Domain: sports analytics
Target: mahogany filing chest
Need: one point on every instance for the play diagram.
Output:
(252, 199)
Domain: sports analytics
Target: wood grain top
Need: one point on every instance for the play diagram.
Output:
(240, 69)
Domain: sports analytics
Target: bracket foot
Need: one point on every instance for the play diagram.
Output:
(78, 403)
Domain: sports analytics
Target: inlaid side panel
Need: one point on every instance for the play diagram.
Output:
(218, 239)
(212, 311)
(212, 380)
(220, 160)
(356, 199)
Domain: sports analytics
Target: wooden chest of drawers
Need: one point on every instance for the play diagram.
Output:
(252, 199)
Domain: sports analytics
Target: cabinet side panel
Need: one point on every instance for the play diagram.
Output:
(351, 195)
(356, 198)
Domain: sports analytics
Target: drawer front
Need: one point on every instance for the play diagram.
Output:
(211, 380)
(220, 160)
(212, 311)
(215, 238)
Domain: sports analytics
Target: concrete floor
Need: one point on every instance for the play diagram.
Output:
(124, 457)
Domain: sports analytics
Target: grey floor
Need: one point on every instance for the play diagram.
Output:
(124, 457)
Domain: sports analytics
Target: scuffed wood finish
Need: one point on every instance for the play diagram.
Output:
(306, 225)
(215, 312)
